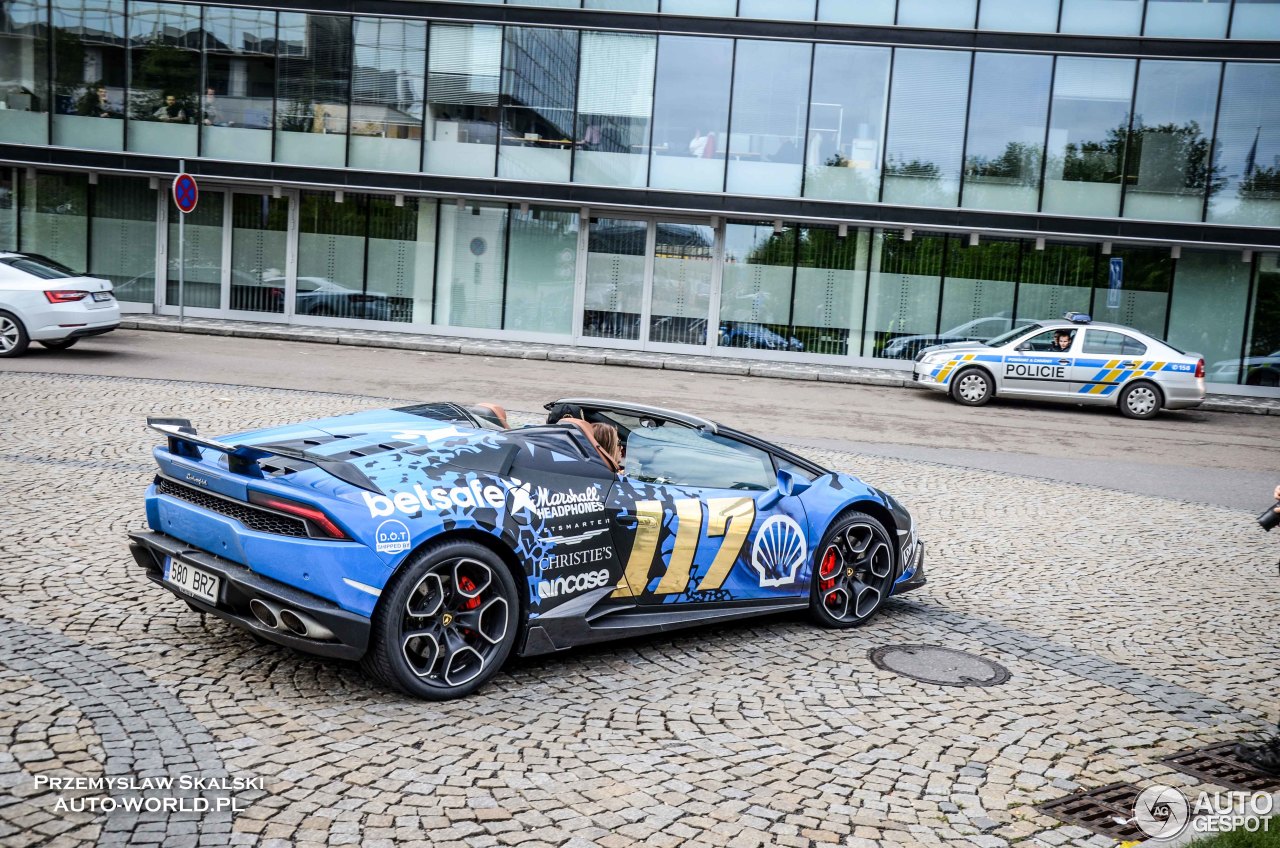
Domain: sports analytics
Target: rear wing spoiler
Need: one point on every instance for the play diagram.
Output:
(243, 459)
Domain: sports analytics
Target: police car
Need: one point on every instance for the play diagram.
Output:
(1072, 360)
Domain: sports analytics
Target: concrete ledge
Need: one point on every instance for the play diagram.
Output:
(694, 363)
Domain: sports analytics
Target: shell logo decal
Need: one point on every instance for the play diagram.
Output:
(778, 551)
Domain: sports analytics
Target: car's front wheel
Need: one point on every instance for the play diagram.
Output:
(13, 336)
(853, 574)
(60, 344)
(1140, 400)
(446, 623)
(972, 387)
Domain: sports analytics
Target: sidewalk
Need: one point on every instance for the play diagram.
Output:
(896, 378)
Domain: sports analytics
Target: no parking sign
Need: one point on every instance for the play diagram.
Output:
(186, 194)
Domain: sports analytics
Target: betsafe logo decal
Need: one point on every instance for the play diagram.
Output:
(439, 499)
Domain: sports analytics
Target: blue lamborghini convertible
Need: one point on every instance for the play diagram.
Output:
(431, 541)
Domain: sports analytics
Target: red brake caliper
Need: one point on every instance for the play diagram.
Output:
(467, 585)
(827, 572)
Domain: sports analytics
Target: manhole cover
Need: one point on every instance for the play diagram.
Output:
(943, 666)
(1108, 811)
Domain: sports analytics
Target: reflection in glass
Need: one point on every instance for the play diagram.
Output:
(202, 266)
(767, 130)
(89, 73)
(1018, 15)
(683, 256)
(977, 292)
(239, 87)
(690, 122)
(937, 14)
(905, 281)
(1207, 309)
(1256, 19)
(464, 63)
(314, 87)
(1143, 299)
(1246, 189)
(541, 267)
(8, 209)
(24, 72)
(123, 248)
(1102, 17)
(1088, 125)
(387, 93)
(1261, 366)
(401, 260)
(756, 288)
(470, 265)
(1055, 280)
(926, 127)
(615, 104)
(624, 5)
(259, 224)
(616, 250)
(846, 122)
(539, 67)
(1168, 151)
(792, 10)
(1187, 18)
(55, 214)
(831, 284)
(1005, 146)
(712, 8)
(164, 82)
(857, 11)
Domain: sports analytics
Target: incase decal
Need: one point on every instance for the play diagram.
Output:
(437, 500)
(572, 584)
(392, 537)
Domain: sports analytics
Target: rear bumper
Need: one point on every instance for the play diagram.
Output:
(71, 320)
(238, 586)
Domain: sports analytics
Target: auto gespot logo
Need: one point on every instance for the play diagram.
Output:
(476, 495)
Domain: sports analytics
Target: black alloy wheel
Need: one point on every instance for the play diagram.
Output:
(853, 574)
(446, 623)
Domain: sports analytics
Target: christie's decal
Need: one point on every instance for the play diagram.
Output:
(573, 559)
(392, 537)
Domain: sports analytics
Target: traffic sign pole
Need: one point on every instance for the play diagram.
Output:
(182, 254)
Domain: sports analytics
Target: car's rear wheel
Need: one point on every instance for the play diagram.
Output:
(446, 623)
(13, 336)
(972, 387)
(1140, 400)
(853, 574)
(60, 344)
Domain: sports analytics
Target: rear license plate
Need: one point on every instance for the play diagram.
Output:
(101, 296)
(193, 581)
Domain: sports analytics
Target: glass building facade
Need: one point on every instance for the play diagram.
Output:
(621, 175)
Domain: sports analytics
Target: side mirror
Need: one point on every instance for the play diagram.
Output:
(788, 485)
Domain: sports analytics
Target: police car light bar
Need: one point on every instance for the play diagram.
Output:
(1077, 318)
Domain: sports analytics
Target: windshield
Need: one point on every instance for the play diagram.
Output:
(1005, 338)
(39, 266)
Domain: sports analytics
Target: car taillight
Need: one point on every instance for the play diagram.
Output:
(56, 296)
(310, 513)
(1200, 369)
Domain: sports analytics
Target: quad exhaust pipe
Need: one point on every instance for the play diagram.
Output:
(289, 621)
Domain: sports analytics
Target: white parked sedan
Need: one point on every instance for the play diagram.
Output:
(45, 302)
(1071, 360)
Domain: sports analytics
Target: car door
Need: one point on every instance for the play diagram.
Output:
(1107, 359)
(1037, 368)
(707, 524)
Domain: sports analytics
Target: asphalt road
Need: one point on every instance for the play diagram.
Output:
(1223, 459)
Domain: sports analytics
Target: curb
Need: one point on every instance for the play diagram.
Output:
(886, 377)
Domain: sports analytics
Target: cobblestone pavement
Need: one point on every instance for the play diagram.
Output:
(1133, 627)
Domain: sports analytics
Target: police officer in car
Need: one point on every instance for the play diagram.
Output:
(1062, 339)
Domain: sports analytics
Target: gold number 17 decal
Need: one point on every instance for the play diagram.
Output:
(730, 518)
